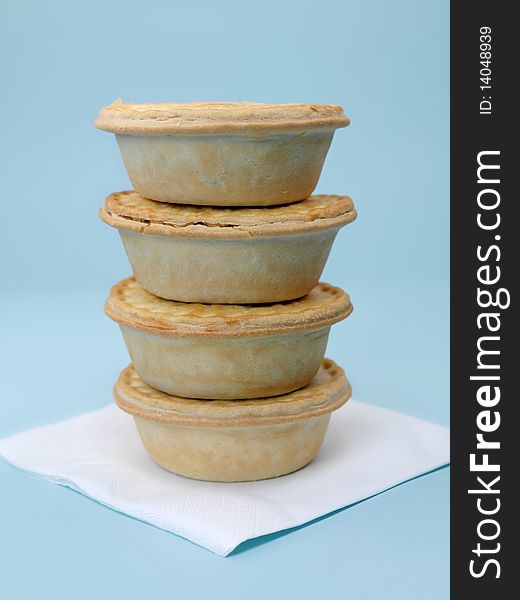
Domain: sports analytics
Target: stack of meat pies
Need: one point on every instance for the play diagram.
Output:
(225, 319)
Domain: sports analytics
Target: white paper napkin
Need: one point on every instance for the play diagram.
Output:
(366, 451)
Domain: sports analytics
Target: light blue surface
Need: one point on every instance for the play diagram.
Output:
(387, 64)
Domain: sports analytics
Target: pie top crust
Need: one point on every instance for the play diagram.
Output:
(131, 211)
(328, 391)
(130, 304)
(217, 117)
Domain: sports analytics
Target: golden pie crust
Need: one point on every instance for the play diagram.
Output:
(327, 392)
(130, 304)
(131, 211)
(217, 117)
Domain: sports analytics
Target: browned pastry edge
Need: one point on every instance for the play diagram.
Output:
(328, 391)
(322, 307)
(218, 117)
(130, 211)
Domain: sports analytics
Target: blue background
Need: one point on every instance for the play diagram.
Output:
(387, 63)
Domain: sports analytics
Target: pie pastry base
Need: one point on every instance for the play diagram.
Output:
(235, 271)
(236, 368)
(234, 441)
(225, 170)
